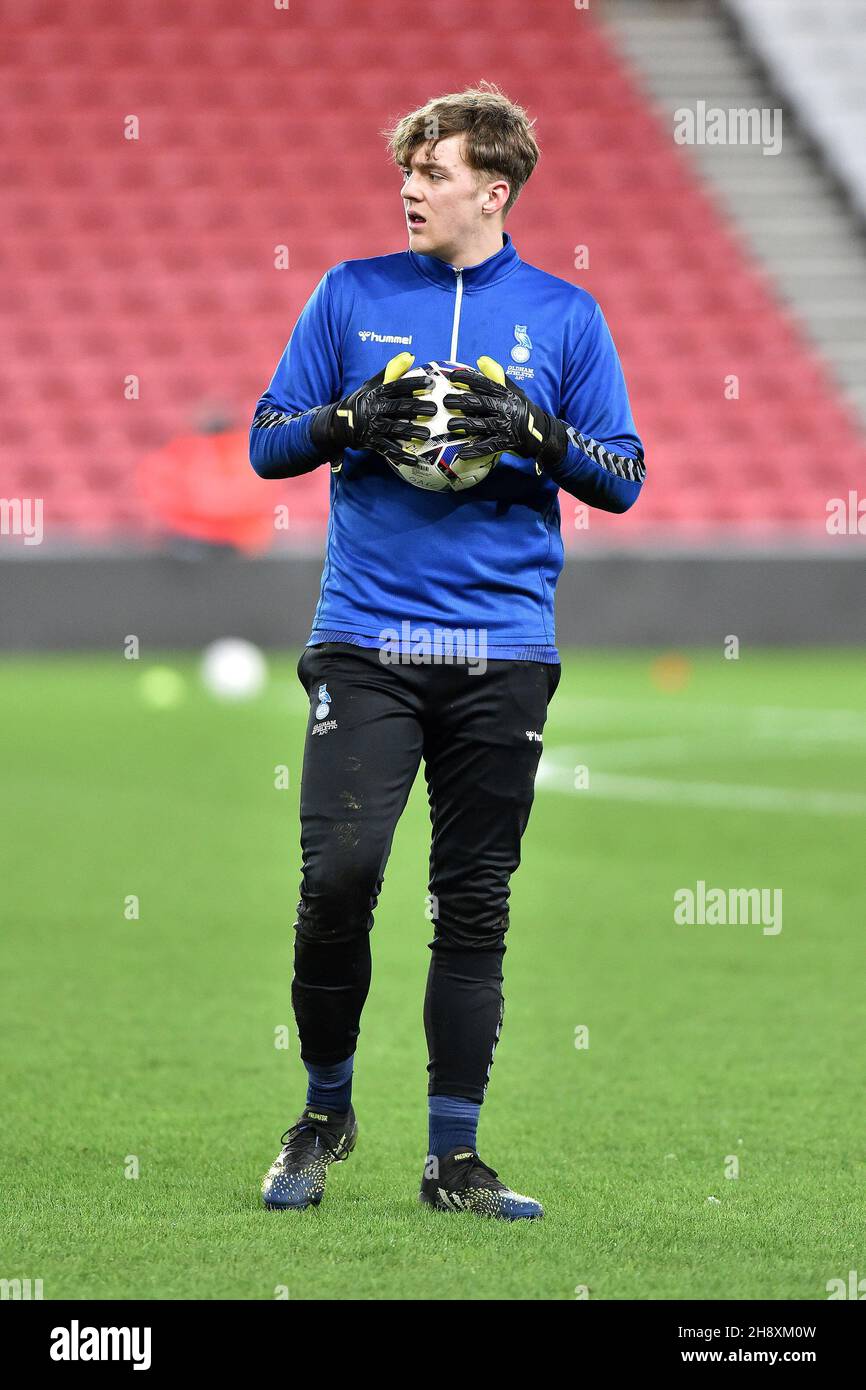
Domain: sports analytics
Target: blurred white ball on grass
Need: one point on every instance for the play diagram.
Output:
(234, 669)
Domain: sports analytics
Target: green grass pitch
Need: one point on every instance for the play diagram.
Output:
(153, 1039)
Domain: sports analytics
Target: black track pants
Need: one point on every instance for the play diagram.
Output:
(370, 725)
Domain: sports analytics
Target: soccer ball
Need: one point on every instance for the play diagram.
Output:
(438, 465)
(233, 669)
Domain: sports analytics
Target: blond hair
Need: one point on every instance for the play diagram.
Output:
(499, 137)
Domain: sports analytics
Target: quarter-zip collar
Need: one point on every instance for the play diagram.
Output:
(473, 277)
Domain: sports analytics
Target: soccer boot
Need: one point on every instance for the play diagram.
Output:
(296, 1178)
(461, 1182)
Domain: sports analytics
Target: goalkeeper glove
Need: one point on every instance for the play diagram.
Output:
(495, 416)
(379, 415)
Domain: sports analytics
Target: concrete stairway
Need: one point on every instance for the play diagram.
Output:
(787, 207)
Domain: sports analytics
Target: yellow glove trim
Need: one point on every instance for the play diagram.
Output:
(490, 368)
(398, 366)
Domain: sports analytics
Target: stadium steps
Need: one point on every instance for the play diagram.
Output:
(816, 56)
(787, 206)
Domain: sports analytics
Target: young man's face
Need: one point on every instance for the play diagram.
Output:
(449, 210)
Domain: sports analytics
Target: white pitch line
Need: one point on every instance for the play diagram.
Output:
(853, 719)
(779, 724)
(631, 751)
(728, 796)
(655, 702)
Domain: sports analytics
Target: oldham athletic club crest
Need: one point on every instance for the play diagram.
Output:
(523, 347)
(324, 702)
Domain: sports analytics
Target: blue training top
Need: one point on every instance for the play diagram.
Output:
(401, 559)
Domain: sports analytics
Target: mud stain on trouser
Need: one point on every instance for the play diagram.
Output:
(350, 801)
(347, 832)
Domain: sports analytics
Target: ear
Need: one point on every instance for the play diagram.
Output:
(497, 196)
(489, 367)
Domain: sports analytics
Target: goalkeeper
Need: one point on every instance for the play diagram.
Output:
(410, 572)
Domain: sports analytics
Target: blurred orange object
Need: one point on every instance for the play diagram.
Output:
(671, 672)
(201, 486)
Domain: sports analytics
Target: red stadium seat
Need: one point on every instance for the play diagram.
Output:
(258, 127)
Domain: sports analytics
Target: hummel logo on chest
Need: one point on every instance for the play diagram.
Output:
(368, 336)
(533, 736)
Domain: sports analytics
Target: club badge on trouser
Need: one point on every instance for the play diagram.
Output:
(323, 707)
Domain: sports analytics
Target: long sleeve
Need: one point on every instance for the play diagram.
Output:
(604, 462)
(308, 375)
